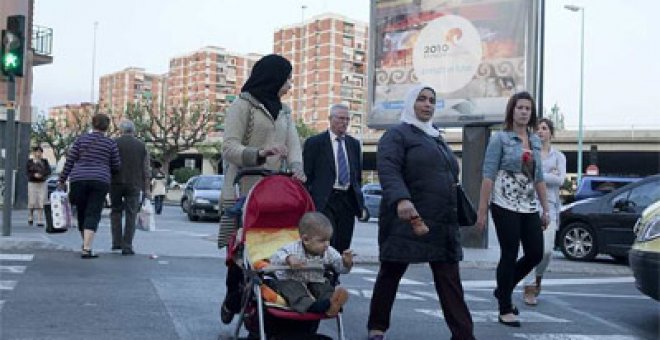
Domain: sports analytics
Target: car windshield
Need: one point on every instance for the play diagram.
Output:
(209, 183)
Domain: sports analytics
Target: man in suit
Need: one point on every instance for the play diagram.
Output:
(333, 166)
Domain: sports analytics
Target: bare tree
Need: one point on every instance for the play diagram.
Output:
(60, 135)
(212, 152)
(173, 130)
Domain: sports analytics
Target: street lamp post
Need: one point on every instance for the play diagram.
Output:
(574, 8)
(96, 24)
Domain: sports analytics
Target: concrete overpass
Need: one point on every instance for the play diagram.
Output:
(616, 152)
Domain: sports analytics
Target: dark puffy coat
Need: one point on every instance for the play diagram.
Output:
(412, 165)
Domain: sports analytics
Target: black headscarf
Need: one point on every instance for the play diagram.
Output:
(267, 77)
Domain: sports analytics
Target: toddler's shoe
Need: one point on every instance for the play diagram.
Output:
(338, 299)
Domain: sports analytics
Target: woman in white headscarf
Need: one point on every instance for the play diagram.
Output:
(418, 221)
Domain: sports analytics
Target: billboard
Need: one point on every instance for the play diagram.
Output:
(474, 53)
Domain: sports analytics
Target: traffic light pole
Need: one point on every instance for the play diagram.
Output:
(10, 155)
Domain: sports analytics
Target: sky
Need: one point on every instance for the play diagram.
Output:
(621, 56)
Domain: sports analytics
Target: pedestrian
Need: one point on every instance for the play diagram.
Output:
(333, 166)
(90, 163)
(38, 171)
(554, 175)
(418, 222)
(158, 188)
(310, 290)
(513, 174)
(259, 132)
(128, 185)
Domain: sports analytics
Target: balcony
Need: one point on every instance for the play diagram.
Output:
(42, 45)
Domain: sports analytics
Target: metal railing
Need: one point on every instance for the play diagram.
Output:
(42, 40)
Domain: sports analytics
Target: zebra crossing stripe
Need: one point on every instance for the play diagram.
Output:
(491, 316)
(2, 303)
(12, 269)
(559, 336)
(16, 257)
(7, 284)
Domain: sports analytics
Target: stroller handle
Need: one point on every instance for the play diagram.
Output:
(258, 172)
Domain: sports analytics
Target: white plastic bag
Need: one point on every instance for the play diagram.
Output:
(146, 220)
(61, 210)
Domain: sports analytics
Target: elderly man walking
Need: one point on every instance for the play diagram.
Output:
(132, 178)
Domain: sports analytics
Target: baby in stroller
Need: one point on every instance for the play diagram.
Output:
(309, 290)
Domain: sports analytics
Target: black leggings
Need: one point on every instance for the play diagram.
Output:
(88, 197)
(512, 229)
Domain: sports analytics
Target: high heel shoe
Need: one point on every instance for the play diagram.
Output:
(511, 323)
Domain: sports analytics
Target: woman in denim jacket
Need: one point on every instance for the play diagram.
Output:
(512, 181)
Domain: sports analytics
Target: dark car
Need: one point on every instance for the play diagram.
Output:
(201, 196)
(644, 256)
(604, 225)
(372, 194)
(596, 186)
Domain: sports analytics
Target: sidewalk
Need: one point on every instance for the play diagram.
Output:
(167, 241)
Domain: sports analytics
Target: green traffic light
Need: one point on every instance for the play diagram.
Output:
(10, 61)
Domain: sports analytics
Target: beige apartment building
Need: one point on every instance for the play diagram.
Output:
(209, 77)
(71, 117)
(131, 85)
(329, 57)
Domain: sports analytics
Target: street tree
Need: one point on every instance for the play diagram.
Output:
(213, 152)
(304, 131)
(59, 135)
(168, 132)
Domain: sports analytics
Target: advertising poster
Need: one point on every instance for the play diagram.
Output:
(474, 53)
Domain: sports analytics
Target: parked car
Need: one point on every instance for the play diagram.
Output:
(605, 224)
(201, 196)
(644, 257)
(372, 194)
(596, 186)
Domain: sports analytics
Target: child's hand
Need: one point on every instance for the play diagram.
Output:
(347, 258)
(294, 262)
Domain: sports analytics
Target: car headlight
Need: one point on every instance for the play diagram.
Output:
(650, 231)
(202, 201)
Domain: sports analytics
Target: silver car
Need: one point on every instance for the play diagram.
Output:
(201, 197)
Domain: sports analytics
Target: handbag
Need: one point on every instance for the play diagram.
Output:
(466, 213)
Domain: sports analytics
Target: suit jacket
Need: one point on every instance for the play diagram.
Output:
(319, 164)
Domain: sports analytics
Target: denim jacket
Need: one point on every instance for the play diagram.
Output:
(504, 152)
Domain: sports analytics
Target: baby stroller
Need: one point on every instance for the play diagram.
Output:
(269, 220)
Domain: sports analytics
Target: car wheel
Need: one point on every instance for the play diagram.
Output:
(620, 259)
(192, 217)
(184, 202)
(578, 242)
(365, 215)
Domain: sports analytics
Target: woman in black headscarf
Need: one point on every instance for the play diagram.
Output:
(259, 132)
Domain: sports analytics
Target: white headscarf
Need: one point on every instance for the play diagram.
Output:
(408, 112)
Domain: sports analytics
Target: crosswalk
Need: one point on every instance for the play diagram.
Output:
(11, 266)
(478, 292)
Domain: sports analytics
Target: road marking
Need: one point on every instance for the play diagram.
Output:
(16, 257)
(367, 293)
(2, 303)
(403, 281)
(12, 269)
(358, 270)
(555, 282)
(559, 336)
(7, 284)
(491, 316)
(433, 295)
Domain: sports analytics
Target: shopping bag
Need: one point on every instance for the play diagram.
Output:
(146, 220)
(60, 210)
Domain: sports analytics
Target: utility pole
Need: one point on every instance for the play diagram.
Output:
(10, 154)
(96, 24)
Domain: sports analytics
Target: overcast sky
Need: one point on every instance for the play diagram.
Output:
(621, 49)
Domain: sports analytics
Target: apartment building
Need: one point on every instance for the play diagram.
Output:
(71, 117)
(329, 57)
(131, 85)
(209, 77)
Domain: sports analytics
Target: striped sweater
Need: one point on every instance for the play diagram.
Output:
(92, 157)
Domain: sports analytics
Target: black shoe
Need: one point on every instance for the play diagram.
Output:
(40, 225)
(127, 252)
(30, 222)
(88, 254)
(225, 314)
(514, 323)
(116, 248)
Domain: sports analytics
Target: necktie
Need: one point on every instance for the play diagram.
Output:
(342, 164)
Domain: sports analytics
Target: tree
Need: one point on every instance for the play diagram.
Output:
(304, 131)
(213, 152)
(171, 131)
(59, 136)
(556, 117)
